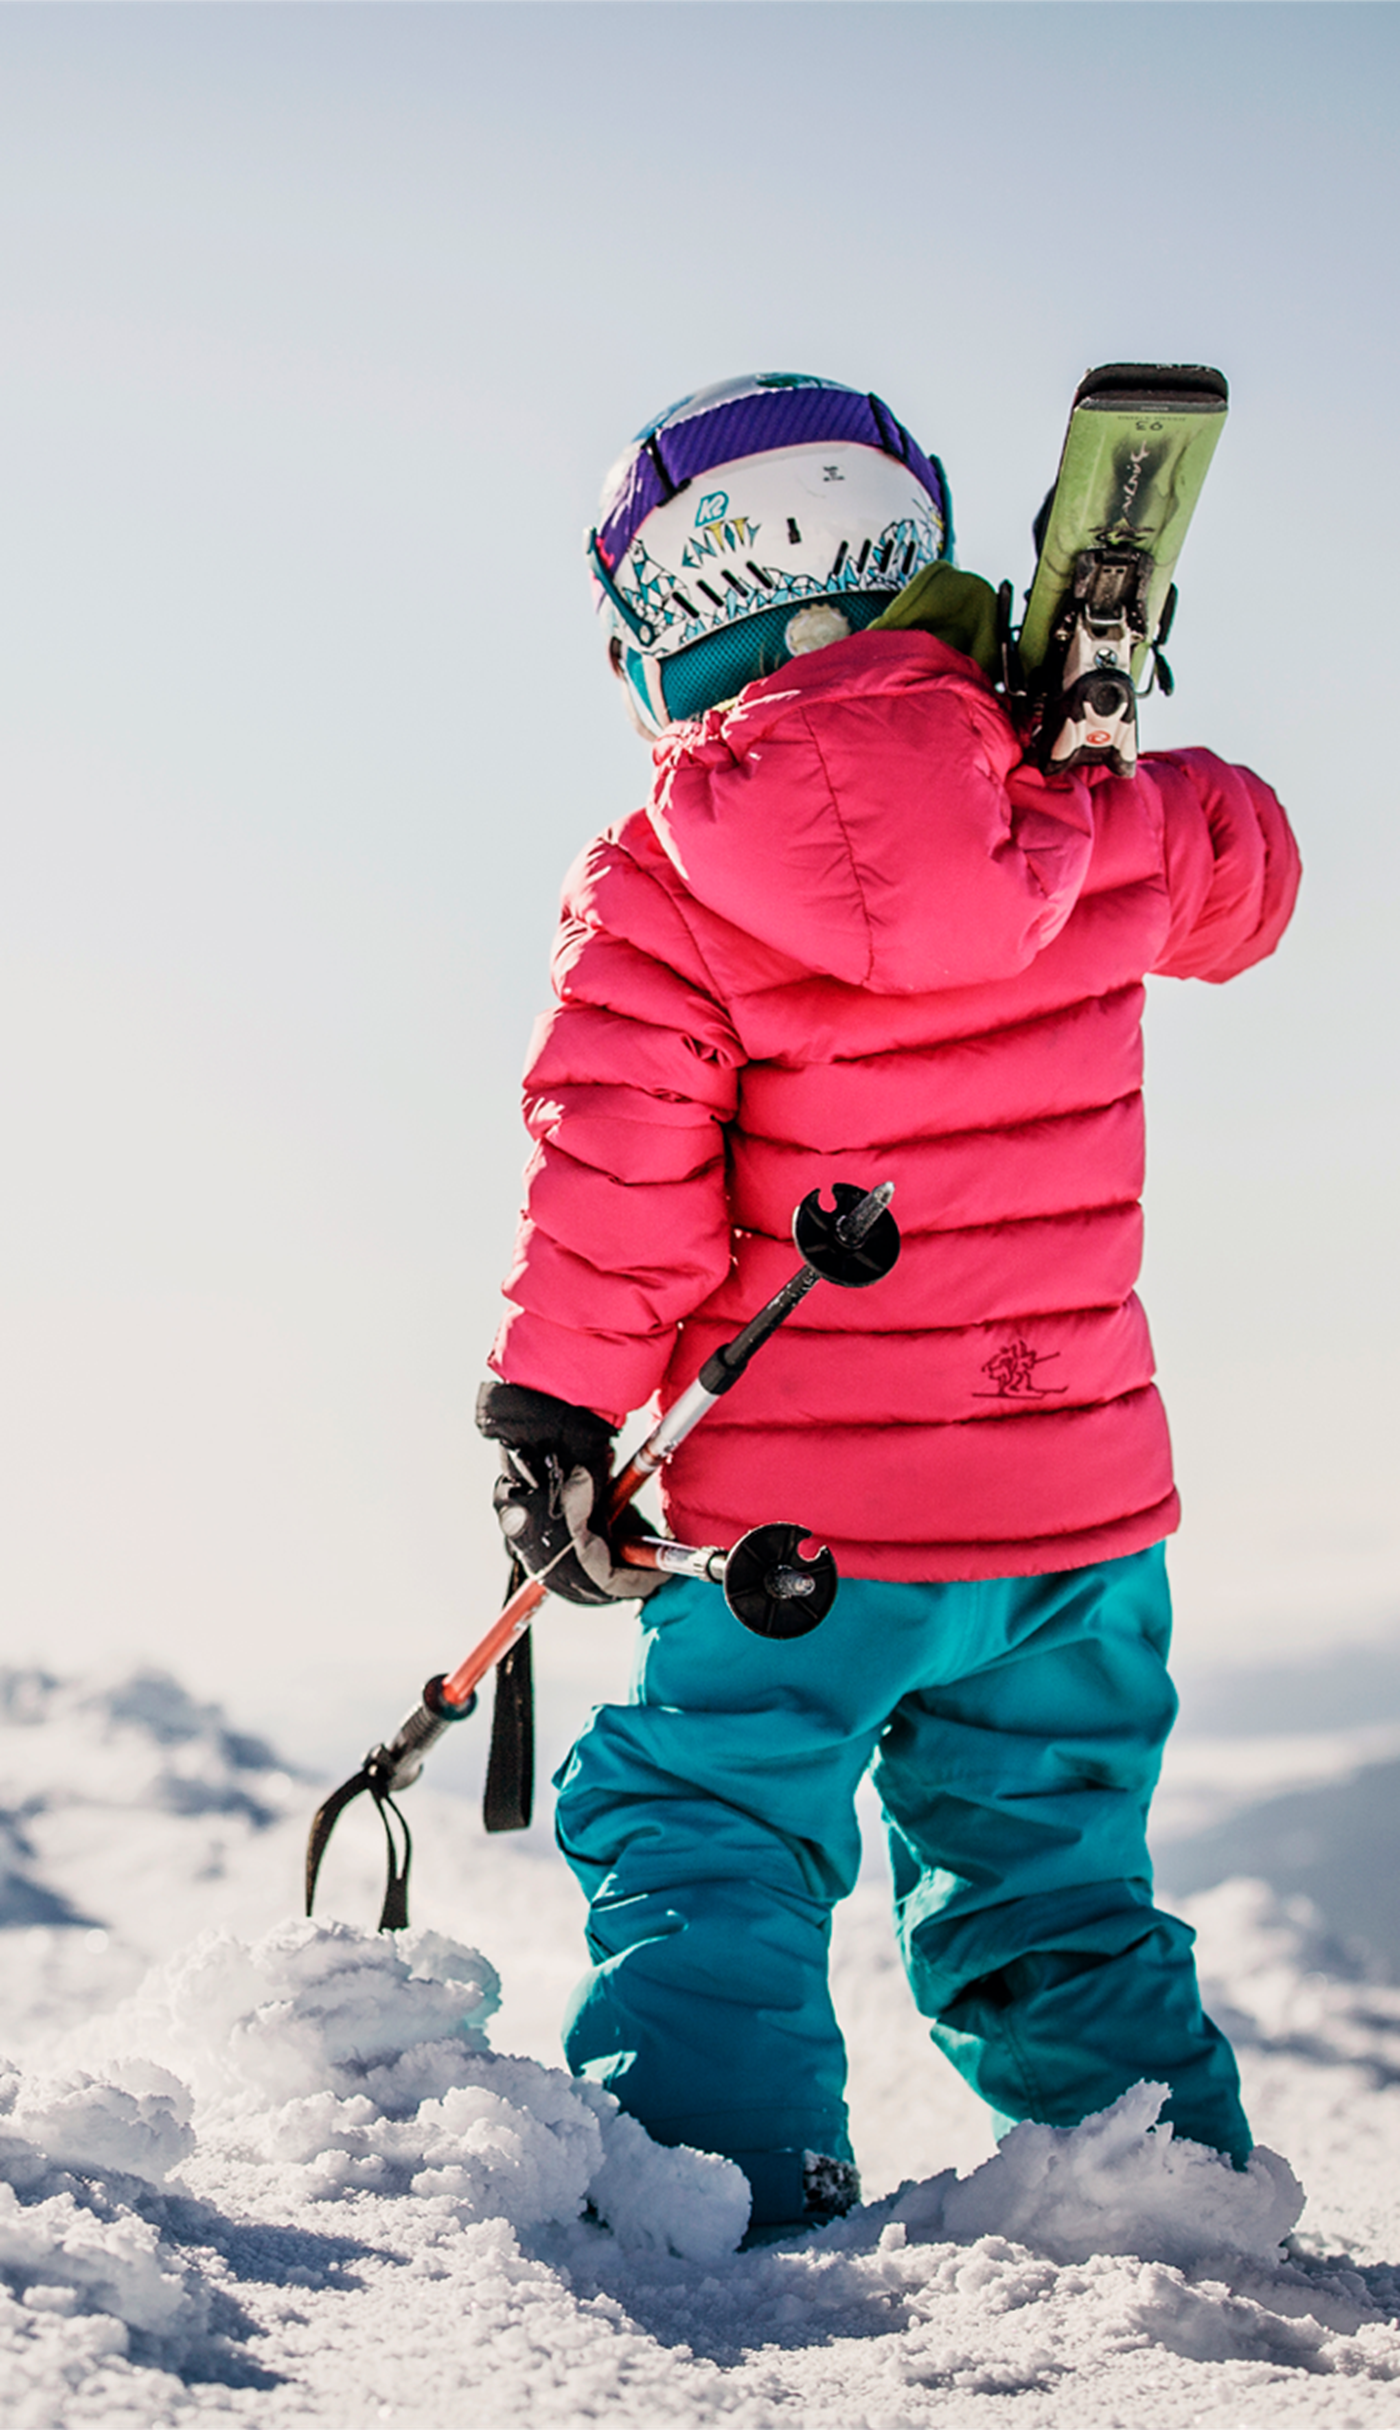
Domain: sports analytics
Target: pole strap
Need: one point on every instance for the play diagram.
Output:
(393, 1915)
(508, 1799)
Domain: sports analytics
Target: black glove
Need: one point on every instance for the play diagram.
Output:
(551, 1495)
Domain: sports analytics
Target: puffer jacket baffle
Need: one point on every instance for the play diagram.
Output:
(853, 938)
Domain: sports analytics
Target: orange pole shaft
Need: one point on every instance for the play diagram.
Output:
(510, 1625)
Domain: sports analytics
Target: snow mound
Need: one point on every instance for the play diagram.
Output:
(310, 2009)
(323, 2060)
(1118, 2183)
(275, 2082)
(263, 2185)
(86, 2280)
(138, 2129)
(74, 2252)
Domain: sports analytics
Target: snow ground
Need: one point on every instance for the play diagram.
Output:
(311, 2175)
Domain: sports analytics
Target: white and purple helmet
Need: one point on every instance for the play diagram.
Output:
(757, 519)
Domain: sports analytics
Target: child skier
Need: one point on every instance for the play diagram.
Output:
(854, 936)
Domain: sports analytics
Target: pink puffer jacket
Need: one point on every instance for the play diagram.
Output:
(854, 938)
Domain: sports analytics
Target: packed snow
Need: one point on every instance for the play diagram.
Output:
(292, 2172)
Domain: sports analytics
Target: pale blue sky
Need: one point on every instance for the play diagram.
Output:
(319, 327)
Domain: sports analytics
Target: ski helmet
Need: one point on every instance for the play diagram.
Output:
(755, 520)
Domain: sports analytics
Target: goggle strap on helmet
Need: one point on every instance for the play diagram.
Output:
(670, 486)
(893, 438)
(946, 496)
(598, 567)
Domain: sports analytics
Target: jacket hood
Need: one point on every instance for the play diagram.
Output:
(866, 814)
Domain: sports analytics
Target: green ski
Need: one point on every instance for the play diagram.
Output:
(1136, 453)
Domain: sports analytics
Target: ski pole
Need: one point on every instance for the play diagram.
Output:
(853, 1243)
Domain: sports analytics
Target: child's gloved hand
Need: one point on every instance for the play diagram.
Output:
(958, 608)
(550, 1497)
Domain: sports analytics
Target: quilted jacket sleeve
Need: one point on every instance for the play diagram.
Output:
(1232, 865)
(630, 1081)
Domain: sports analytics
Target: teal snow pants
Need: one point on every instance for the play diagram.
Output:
(1016, 1727)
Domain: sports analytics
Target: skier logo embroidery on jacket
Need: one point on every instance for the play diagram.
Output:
(1012, 1371)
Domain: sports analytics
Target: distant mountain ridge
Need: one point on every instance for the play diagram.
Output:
(1341, 1688)
(1335, 1844)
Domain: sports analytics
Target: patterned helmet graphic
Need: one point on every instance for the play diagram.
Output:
(755, 520)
